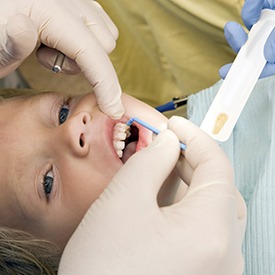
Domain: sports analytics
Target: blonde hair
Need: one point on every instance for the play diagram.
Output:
(21, 253)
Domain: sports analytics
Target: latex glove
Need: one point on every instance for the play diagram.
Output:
(78, 28)
(236, 36)
(126, 232)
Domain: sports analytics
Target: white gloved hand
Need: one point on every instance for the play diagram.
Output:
(126, 232)
(78, 28)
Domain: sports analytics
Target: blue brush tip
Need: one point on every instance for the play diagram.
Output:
(130, 122)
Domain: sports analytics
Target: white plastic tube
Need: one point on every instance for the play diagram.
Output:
(240, 81)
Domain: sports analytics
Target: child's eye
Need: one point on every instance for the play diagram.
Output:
(48, 183)
(64, 111)
(63, 114)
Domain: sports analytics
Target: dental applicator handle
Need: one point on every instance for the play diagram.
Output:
(240, 81)
(149, 127)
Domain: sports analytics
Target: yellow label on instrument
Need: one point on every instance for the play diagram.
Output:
(220, 121)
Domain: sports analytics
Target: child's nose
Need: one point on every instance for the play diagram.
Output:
(75, 131)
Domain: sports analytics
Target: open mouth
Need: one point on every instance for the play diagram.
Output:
(125, 140)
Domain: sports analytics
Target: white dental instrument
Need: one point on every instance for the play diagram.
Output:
(240, 81)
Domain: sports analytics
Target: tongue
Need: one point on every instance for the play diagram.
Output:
(129, 151)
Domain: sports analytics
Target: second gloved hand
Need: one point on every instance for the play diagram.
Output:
(126, 232)
(236, 35)
(78, 28)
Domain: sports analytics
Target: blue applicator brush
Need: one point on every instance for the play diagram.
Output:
(149, 127)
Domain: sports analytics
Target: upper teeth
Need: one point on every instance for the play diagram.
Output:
(121, 132)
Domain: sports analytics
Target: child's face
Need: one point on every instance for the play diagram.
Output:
(56, 158)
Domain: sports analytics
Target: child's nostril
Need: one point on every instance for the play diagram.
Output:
(84, 120)
(81, 142)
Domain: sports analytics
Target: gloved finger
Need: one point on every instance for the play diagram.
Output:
(269, 48)
(268, 70)
(112, 27)
(241, 210)
(223, 71)
(184, 170)
(206, 158)
(18, 39)
(46, 57)
(88, 53)
(103, 79)
(99, 23)
(241, 206)
(235, 35)
(251, 12)
(139, 180)
(105, 36)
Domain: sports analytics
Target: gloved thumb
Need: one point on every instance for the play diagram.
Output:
(18, 38)
(203, 154)
(236, 37)
(223, 71)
